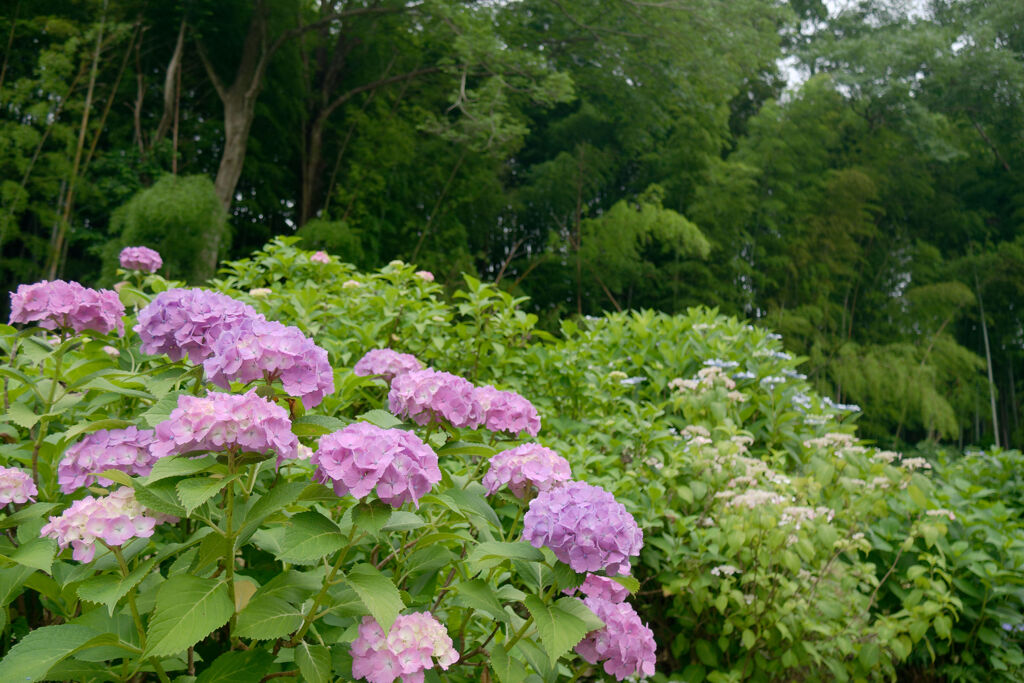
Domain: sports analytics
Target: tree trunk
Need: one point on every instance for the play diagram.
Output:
(311, 168)
(988, 363)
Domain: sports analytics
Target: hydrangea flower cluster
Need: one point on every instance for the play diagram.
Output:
(525, 466)
(405, 652)
(603, 588)
(68, 305)
(141, 258)
(507, 411)
(107, 449)
(320, 257)
(112, 519)
(187, 321)
(386, 363)
(584, 526)
(363, 457)
(220, 422)
(625, 644)
(16, 486)
(255, 348)
(430, 395)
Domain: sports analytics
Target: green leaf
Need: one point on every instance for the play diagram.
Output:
(37, 553)
(118, 477)
(377, 592)
(179, 466)
(562, 625)
(308, 538)
(95, 426)
(161, 410)
(107, 589)
(21, 415)
(490, 553)
(275, 499)
(479, 595)
(472, 500)
(316, 425)
(194, 492)
(187, 610)
(454, 448)
(627, 582)
(34, 511)
(380, 418)
(12, 581)
(403, 521)
(41, 649)
(507, 670)
(267, 617)
(314, 662)
(371, 516)
(238, 667)
(160, 497)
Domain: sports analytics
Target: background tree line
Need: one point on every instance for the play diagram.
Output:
(592, 155)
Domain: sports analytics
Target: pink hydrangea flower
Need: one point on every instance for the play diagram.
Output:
(68, 306)
(16, 486)
(429, 395)
(263, 349)
(602, 587)
(425, 275)
(386, 363)
(126, 450)
(625, 644)
(363, 457)
(141, 258)
(525, 466)
(113, 519)
(187, 321)
(221, 422)
(507, 411)
(320, 257)
(405, 652)
(585, 527)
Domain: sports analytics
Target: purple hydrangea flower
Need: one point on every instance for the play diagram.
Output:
(507, 411)
(525, 466)
(405, 652)
(256, 349)
(187, 321)
(16, 486)
(221, 422)
(386, 363)
(429, 395)
(603, 588)
(107, 449)
(584, 526)
(320, 257)
(68, 305)
(625, 644)
(363, 457)
(141, 258)
(113, 519)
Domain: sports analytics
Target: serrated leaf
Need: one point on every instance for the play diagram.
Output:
(371, 516)
(161, 410)
(627, 582)
(179, 466)
(377, 592)
(21, 415)
(316, 425)
(314, 662)
(107, 589)
(37, 553)
(194, 492)
(479, 595)
(33, 657)
(188, 609)
(238, 667)
(490, 553)
(472, 500)
(562, 625)
(308, 538)
(507, 670)
(268, 617)
(275, 499)
(34, 511)
(95, 426)
(380, 418)
(160, 497)
(118, 477)
(403, 521)
(470, 448)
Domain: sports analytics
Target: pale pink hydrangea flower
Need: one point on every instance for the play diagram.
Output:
(625, 644)
(112, 519)
(16, 486)
(320, 257)
(67, 306)
(507, 411)
(126, 450)
(405, 652)
(265, 349)
(221, 422)
(260, 292)
(363, 457)
(187, 321)
(429, 395)
(603, 588)
(350, 284)
(111, 351)
(141, 258)
(524, 466)
(425, 275)
(585, 527)
(386, 363)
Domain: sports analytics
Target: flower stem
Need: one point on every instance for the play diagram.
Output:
(519, 634)
(229, 537)
(44, 423)
(328, 582)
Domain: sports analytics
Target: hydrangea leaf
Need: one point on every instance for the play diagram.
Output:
(309, 537)
(403, 521)
(507, 670)
(314, 662)
(562, 625)
(33, 657)
(187, 610)
(316, 425)
(267, 617)
(179, 466)
(381, 418)
(371, 516)
(37, 553)
(479, 595)
(238, 667)
(490, 553)
(107, 589)
(377, 592)
(280, 496)
(194, 492)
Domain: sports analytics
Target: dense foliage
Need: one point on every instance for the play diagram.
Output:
(777, 545)
(848, 172)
